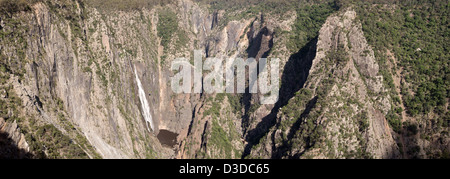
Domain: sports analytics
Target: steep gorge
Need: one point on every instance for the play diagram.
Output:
(335, 116)
(102, 79)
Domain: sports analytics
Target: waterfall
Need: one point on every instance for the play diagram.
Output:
(144, 103)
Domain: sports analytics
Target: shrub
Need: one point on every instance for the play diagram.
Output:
(412, 129)
(167, 26)
(10, 7)
(129, 5)
(220, 139)
(403, 31)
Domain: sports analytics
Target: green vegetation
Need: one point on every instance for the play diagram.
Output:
(394, 121)
(419, 37)
(13, 34)
(170, 33)
(233, 99)
(55, 144)
(222, 134)
(10, 7)
(129, 5)
(411, 128)
(363, 121)
(235, 103)
(45, 141)
(167, 26)
(307, 25)
(102, 77)
(417, 34)
(338, 56)
(214, 110)
(292, 109)
(12, 102)
(220, 139)
(276, 6)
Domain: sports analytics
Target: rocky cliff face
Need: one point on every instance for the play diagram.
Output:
(80, 73)
(340, 114)
(78, 69)
(13, 142)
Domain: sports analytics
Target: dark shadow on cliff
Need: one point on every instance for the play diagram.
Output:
(257, 45)
(9, 150)
(294, 76)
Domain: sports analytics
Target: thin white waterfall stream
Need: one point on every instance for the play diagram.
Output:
(144, 103)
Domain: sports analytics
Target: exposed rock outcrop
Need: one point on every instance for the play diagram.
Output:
(340, 120)
(88, 73)
(13, 143)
